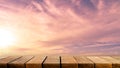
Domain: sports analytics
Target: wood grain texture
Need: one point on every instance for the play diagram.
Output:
(20, 63)
(52, 62)
(36, 62)
(84, 62)
(100, 63)
(68, 62)
(4, 61)
(60, 62)
(115, 62)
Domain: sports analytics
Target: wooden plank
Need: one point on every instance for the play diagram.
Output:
(68, 62)
(20, 63)
(84, 62)
(117, 58)
(52, 62)
(100, 63)
(36, 62)
(110, 59)
(4, 61)
(115, 62)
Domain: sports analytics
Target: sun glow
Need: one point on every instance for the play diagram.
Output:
(7, 38)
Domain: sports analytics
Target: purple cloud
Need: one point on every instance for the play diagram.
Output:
(66, 26)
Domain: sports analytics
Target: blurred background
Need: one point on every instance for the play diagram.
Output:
(59, 27)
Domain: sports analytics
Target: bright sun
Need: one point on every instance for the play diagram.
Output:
(7, 38)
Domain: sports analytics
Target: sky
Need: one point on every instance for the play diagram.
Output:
(60, 27)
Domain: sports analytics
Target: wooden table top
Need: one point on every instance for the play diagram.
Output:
(60, 62)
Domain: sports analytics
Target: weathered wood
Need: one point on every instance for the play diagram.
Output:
(115, 62)
(20, 63)
(100, 63)
(52, 62)
(4, 61)
(68, 62)
(84, 62)
(117, 58)
(36, 62)
(60, 62)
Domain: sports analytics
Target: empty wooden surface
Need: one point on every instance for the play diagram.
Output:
(68, 62)
(84, 62)
(115, 62)
(100, 63)
(117, 58)
(60, 62)
(52, 62)
(20, 63)
(5, 61)
(35, 62)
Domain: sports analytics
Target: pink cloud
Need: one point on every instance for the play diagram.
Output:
(54, 25)
(23, 49)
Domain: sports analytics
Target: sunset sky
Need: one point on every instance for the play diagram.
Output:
(60, 27)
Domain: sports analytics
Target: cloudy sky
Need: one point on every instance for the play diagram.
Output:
(78, 27)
